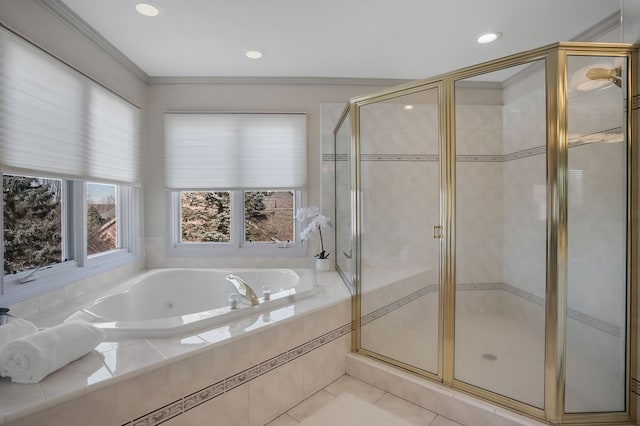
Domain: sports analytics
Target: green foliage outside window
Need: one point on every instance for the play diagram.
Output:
(32, 223)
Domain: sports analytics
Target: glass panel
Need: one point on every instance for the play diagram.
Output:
(597, 216)
(102, 232)
(32, 222)
(344, 247)
(400, 184)
(269, 216)
(205, 217)
(501, 232)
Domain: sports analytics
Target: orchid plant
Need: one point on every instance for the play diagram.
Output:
(318, 221)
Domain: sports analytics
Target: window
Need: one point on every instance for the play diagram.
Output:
(269, 216)
(41, 227)
(102, 218)
(205, 217)
(254, 222)
(32, 217)
(236, 181)
(69, 159)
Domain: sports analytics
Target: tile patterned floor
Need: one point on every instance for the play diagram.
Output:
(410, 412)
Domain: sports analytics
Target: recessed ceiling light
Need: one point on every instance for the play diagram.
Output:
(254, 54)
(147, 9)
(488, 37)
(408, 107)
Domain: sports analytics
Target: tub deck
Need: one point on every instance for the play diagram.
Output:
(115, 362)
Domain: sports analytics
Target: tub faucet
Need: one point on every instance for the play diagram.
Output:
(245, 291)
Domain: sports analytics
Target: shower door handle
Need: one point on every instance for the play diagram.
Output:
(437, 231)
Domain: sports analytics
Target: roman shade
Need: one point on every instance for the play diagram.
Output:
(231, 151)
(56, 122)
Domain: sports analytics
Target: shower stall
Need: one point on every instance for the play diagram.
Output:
(484, 222)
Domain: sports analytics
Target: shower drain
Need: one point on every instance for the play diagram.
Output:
(489, 357)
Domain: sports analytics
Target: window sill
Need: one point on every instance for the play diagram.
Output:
(61, 275)
(226, 250)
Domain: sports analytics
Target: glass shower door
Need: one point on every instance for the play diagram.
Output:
(501, 232)
(597, 234)
(344, 244)
(400, 205)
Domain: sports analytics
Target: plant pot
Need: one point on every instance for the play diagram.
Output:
(323, 265)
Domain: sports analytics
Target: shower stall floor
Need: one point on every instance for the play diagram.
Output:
(505, 355)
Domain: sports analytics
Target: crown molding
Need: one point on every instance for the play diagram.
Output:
(69, 17)
(307, 81)
(601, 28)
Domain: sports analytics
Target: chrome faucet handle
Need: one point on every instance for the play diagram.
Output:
(244, 289)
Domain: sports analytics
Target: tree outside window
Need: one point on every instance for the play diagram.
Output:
(32, 222)
(102, 231)
(268, 216)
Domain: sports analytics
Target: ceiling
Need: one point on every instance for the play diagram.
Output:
(399, 39)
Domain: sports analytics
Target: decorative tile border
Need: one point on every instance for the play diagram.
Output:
(161, 415)
(478, 158)
(400, 157)
(539, 150)
(397, 304)
(596, 323)
(210, 392)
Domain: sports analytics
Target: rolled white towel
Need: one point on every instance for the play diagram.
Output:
(14, 329)
(30, 359)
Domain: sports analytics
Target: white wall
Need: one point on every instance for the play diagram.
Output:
(51, 33)
(234, 97)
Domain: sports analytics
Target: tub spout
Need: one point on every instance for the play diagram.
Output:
(246, 292)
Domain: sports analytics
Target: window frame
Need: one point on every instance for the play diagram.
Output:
(78, 265)
(237, 245)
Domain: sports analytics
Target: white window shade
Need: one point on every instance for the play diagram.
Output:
(113, 148)
(56, 122)
(235, 151)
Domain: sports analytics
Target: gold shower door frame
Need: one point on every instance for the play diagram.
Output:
(555, 57)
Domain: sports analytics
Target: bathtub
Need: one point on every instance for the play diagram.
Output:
(164, 302)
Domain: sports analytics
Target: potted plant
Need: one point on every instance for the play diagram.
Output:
(318, 221)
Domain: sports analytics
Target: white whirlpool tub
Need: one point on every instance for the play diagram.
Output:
(163, 302)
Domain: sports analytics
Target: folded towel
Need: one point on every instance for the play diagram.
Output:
(14, 329)
(30, 359)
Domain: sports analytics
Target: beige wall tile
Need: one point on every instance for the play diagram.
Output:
(231, 408)
(264, 345)
(142, 394)
(96, 408)
(290, 384)
(263, 399)
(230, 359)
(324, 365)
(191, 374)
